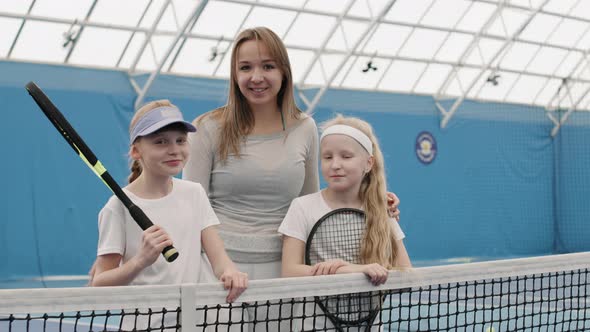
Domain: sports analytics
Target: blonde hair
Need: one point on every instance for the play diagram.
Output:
(378, 244)
(135, 164)
(236, 117)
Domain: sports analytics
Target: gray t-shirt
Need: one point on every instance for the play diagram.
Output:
(251, 194)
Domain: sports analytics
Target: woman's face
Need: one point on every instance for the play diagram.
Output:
(258, 75)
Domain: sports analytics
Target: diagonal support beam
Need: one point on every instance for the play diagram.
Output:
(448, 114)
(574, 105)
(195, 13)
(374, 22)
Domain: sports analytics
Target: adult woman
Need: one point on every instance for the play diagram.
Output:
(256, 154)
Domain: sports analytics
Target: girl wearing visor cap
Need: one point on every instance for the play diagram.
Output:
(180, 211)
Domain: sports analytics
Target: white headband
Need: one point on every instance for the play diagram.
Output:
(356, 134)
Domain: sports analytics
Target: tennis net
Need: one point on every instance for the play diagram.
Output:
(532, 294)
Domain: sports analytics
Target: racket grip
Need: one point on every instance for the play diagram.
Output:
(170, 253)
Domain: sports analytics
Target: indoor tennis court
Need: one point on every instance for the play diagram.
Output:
(481, 110)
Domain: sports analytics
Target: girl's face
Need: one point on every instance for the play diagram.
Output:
(344, 162)
(162, 153)
(258, 75)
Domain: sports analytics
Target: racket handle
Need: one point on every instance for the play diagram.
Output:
(170, 253)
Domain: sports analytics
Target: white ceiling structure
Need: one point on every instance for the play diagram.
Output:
(532, 52)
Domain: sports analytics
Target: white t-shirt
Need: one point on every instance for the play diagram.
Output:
(183, 213)
(303, 213)
(306, 210)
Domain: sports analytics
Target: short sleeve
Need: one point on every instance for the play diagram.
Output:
(294, 223)
(398, 234)
(208, 216)
(111, 231)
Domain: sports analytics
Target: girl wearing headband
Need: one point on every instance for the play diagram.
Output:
(352, 166)
(179, 209)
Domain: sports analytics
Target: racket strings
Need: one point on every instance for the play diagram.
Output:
(339, 236)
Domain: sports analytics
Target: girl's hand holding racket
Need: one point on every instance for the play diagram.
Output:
(235, 281)
(327, 267)
(153, 241)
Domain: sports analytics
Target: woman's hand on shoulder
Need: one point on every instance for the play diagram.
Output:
(327, 267)
(392, 205)
(234, 280)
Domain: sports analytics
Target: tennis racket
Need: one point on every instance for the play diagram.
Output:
(75, 141)
(338, 235)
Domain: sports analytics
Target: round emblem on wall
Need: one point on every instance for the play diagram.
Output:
(426, 148)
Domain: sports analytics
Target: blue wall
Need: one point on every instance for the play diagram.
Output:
(500, 185)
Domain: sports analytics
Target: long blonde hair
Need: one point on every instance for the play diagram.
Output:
(135, 164)
(236, 118)
(378, 242)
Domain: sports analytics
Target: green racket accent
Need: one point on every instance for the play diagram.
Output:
(75, 141)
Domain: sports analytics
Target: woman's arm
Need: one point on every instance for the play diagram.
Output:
(402, 259)
(198, 167)
(109, 272)
(223, 267)
(311, 182)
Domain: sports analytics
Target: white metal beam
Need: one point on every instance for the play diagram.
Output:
(449, 114)
(195, 13)
(318, 53)
(374, 21)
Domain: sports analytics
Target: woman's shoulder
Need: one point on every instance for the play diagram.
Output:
(305, 123)
(208, 121)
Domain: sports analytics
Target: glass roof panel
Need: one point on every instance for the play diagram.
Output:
(92, 53)
(416, 47)
(363, 75)
(582, 9)
(453, 47)
(126, 59)
(525, 89)
(299, 32)
(476, 16)
(461, 81)
(300, 60)
(540, 28)
(498, 92)
(346, 35)
(568, 64)
(198, 56)
(548, 91)
(366, 8)
(233, 15)
(277, 20)
(402, 76)
(125, 13)
(568, 33)
(432, 79)
(547, 60)
(388, 38)
(508, 22)
(41, 41)
(446, 14)
(409, 11)
(16, 7)
(518, 56)
(9, 28)
(484, 51)
(561, 6)
(69, 9)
